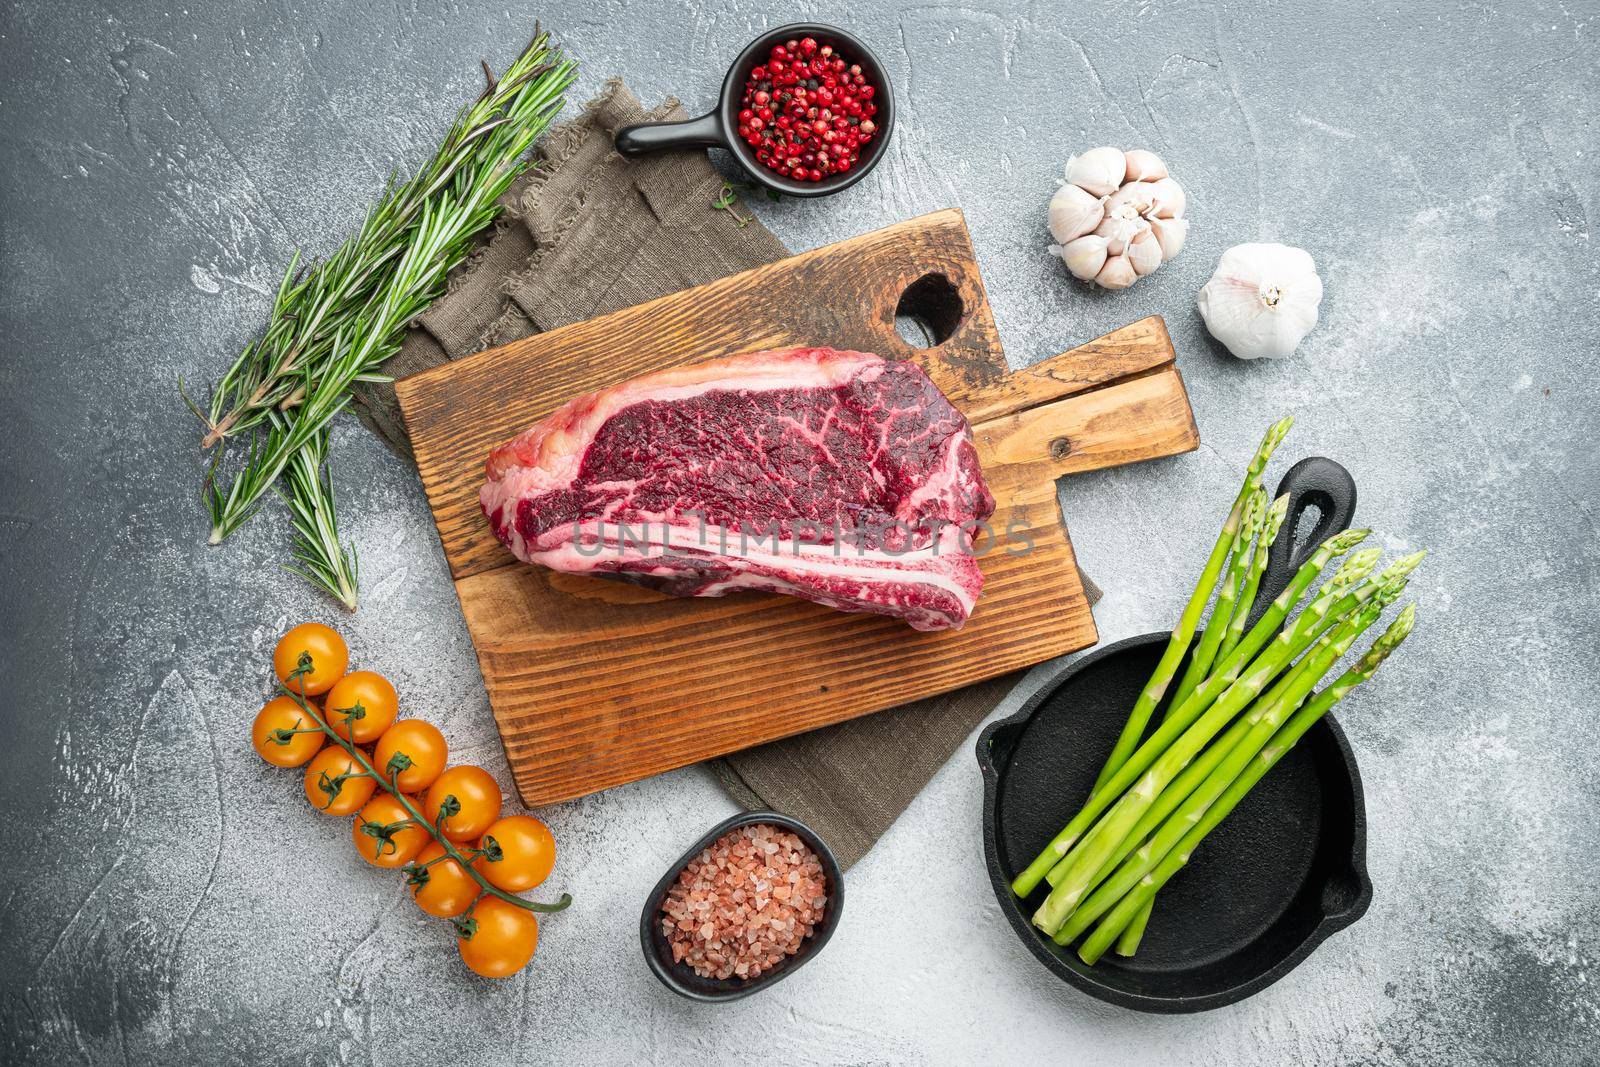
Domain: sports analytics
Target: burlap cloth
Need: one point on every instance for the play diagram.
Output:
(587, 232)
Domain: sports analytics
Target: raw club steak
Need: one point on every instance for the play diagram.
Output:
(840, 477)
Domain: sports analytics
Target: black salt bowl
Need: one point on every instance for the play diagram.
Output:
(682, 979)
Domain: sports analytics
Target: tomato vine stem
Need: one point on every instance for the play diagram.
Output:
(355, 753)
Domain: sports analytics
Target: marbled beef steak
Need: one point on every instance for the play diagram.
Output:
(840, 477)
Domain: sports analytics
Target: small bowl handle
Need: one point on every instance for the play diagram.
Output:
(1314, 481)
(704, 132)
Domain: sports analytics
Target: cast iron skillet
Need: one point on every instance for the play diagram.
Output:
(720, 128)
(1284, 871)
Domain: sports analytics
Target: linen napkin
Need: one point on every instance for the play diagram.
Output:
(587, 232)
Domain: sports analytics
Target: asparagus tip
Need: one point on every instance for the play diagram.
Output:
(1341, 543)
(1274, 520)
(1403, 566)
(1253, 507)
(1400, 629)
(1390, 591)
(1355, 568)
(1269, 444)
(1397, 632)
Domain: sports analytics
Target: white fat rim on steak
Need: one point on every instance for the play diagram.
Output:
(876, 568)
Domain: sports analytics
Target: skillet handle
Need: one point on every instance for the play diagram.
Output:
(1318, 482)
(706, 131)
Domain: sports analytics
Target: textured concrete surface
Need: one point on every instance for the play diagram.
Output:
(167, 898)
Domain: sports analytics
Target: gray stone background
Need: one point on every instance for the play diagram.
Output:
(168, 898)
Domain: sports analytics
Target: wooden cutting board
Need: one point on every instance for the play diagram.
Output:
(595, 683)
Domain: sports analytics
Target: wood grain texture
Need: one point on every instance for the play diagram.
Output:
(595, 683)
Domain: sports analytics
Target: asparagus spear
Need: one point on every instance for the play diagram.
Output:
(1183, 633)
(1133, 933)
(1182, 788)
(1085, 861)
(1129, 907)
(1224, 676)
(1205, 652)
(1258, 725)
(1252, 582)
(1335, 600)
(1223, 631)
(1339, 597)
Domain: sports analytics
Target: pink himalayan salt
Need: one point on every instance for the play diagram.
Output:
(745, 903)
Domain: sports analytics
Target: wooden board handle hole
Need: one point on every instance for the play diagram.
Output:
(930, 311)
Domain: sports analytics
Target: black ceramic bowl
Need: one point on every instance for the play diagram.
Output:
(680, 978)
(720, 128)
(1285, 870)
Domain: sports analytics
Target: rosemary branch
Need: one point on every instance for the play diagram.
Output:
(337, 322)
(483, 148)
(324, 562)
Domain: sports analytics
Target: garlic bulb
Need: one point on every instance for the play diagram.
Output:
(1118, 216)
(1262, 299)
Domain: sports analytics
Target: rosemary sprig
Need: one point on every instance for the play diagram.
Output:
(324, 562)
(484, 148)
(337, 322)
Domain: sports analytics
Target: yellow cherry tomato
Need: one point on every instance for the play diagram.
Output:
(448, 890)
(520, 852)
(502, 942)
(380, 839)
(324, 649)
(362, 704)
(285, 736)
(475, 803)
(418, 741)
(327, 787)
